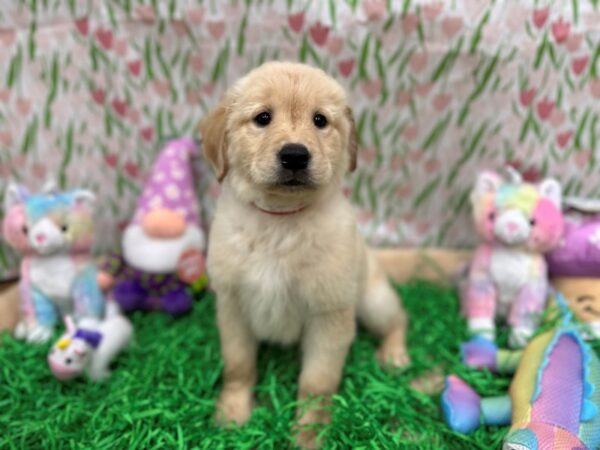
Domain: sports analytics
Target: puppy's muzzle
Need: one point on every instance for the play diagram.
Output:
(294, 160)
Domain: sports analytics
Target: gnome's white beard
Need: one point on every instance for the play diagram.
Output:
(154, 255)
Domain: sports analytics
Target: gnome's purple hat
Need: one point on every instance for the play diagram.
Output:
(171, 182)
(578, 255)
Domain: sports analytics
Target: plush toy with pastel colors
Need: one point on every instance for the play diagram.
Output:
(54, 232)
(161, 261)
(508, 277)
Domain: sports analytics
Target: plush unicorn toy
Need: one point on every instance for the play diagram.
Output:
(53, 232)
(89, 347)
(508, 277)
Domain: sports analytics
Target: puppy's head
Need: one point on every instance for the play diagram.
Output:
(284, 131)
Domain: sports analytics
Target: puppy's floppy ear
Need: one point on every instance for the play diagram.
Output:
(352, 140)
(214, 139)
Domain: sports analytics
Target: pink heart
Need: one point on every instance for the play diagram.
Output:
(216, 28)
(105, 38)
(540, 16)
(196, 62)
(432, 10)
(82, 25)
(319, 33)
(335, 45)
(346, 66)
(424, 88)
(120, 106)
(526, 97)
(579, 64)
(595, 88)
(371, 88)
(195, 15)
(452, 25)
(7, 36)
(135, 67)
(131, 169)
(441, 102)
(98, 96)
(560, 30)
(563, 139)
(147, 133)
(111, 159)
(574, 41)
(161, 87)
(544, 108)
(296, 21)
(23, 106)
(6, 138)
(145, 13)
(4, 95)
(120, 47)
(417, 61)
(410, 22)
(410, 133)
(557, 117)
(403, 98)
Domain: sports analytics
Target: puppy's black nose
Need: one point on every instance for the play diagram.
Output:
(294, 157)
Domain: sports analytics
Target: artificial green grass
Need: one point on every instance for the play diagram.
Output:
(163, 390)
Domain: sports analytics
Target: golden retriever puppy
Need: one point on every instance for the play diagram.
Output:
(285, 257)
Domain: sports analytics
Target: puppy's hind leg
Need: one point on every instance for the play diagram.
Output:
(381, 312)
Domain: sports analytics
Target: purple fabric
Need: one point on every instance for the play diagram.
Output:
(578, 255)
(480, 353)
(561, 396)
(91, 337)
(171, 183)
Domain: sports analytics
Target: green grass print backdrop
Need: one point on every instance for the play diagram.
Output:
(440, 90)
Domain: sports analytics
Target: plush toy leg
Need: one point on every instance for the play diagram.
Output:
(46, 318)
(88, 298)
(481, 353)
(525, 313)
(479, 307)
(496, 410)
(177, 302)
(130, 295)
(461, 406)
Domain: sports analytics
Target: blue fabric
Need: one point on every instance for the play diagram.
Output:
(45, 310)
(497, 410)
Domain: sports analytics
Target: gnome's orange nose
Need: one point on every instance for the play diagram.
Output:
(163, 224)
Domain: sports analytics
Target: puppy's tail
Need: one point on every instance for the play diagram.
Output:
(433, 264)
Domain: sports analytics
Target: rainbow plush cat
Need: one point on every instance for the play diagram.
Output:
(508, 276)
(54, 233)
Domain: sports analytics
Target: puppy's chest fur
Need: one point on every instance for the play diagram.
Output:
(285, 271)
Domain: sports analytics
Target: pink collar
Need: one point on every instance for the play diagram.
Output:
(279, 213)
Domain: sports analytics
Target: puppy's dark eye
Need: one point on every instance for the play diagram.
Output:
(263, 119)
(320, 120)
(64, 228)
(532, 222)
(25, 230)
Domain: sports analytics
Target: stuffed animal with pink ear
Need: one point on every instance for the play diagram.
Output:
(90, 346)
(508, 277)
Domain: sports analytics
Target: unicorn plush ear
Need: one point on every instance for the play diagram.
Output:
(550, 188)
(15, 194)
(69, 324)
(49, 186)
(86, 198)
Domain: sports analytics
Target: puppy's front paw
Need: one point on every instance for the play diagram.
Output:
(234, 406)
(392, 351)
(309, 425)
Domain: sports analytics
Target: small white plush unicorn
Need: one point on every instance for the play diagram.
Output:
(90, 346)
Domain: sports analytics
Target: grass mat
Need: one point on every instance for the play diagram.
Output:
(163, 390)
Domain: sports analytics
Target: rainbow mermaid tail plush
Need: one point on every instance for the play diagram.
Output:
(554, 400)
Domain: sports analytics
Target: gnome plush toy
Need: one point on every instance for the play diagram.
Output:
(161, 262)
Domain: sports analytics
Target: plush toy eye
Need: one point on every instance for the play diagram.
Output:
(320, 120)
(492, 216)
(68, 361)
(263, 119)
(532, 222)
(64, 228)
(25, 229)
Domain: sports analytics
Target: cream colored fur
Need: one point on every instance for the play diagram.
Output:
(298, 278)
